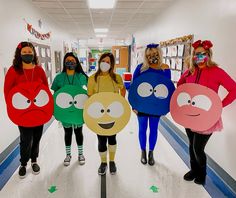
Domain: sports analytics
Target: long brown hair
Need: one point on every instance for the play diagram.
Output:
(111, 70)
(17, 62)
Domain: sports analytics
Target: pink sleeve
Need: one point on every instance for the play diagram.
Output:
(182, 79)
(230, 85)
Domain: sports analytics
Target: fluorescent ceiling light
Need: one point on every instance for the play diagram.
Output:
(101, 4)
(100, 30)
(101, 35)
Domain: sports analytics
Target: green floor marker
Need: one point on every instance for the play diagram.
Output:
(154, 189)
(52, 189)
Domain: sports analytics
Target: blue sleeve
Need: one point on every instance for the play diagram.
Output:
(167, 73)
(137, 71)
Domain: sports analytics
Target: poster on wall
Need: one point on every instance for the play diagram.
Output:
(57, 61)
(168, 62)
(173, 62)
(179, 64)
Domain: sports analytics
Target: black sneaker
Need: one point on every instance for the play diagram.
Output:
(144, 157)
(22, 172)
(112, 167)
(151, 160)
(200, 180)
(102, 169)
(35, 168)
(67, 160)
(189, 176)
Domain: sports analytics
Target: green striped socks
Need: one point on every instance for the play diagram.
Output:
(68, 150)
(80, 149)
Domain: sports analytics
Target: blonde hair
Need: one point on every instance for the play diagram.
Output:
(149, 51)
(193, 65)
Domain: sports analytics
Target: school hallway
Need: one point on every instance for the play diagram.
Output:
(132, 180)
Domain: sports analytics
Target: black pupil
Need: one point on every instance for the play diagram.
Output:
(28, 101)
(150, 90)
(108, 110)
(70, 102)
(155, 90)
(193, 103)
(34, 100)
(75, 102)
(102, 111)
(189, 101)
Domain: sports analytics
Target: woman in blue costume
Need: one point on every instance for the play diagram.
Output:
(153, 62)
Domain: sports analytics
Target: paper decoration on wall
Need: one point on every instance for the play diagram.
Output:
(150, 93)
(177, 40)
(164, 51)
(195, 106)
(43, 52)
(180, 50)
(168, 62)
(173, 63)
(106, 113)
(179, 63)
(168, 52)
(174, 50)
(30, 104)
(38, 35)
(69, 103)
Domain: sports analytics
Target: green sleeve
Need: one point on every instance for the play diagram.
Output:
(83, 80)
(55, 86)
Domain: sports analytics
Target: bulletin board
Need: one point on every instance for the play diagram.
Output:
(44, 56)
(174, 53)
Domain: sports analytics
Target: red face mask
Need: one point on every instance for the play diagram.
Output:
(30, 104)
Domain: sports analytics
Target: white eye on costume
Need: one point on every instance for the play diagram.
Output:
(79, 100)
(20, 102)
(161, 91)
(64, 100)
(115, 109)
(202, 102)
(145, 89)
(183, 99)
(96, 110)
(41, 99)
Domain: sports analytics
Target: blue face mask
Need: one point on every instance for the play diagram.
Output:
(70, 65)
(200, 58)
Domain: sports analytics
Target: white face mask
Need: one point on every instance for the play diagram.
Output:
(104, 66)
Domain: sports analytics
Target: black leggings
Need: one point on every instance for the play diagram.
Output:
(102, 142)
(197, 143)
(78, 136)
(29, 143)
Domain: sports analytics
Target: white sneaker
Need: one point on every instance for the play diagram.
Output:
(81, 159)
(67, 160)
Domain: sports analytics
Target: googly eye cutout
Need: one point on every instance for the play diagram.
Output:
(20, 102)
(145, 89)
(41, 99)
(183, 99)
(161, 91)
(115, 109)
(96, 110)
(64, 100)
(79, 100)
(202, 102)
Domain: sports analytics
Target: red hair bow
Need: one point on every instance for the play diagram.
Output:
(205, 44)
(19, 46)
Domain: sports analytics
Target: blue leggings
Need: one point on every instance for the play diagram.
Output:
(153, 125)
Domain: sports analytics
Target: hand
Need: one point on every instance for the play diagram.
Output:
(135, 111)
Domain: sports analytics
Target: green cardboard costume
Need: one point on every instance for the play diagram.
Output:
(69, 98)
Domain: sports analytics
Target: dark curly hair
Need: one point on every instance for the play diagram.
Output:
(17, 62)
(78, 68)
(111, 70)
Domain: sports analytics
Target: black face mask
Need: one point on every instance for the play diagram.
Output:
(153, 60)
(70, 65)
(27, 58)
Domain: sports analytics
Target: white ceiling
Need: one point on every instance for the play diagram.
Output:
(126, 18)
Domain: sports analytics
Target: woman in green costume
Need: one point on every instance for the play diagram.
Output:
(70, 93)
